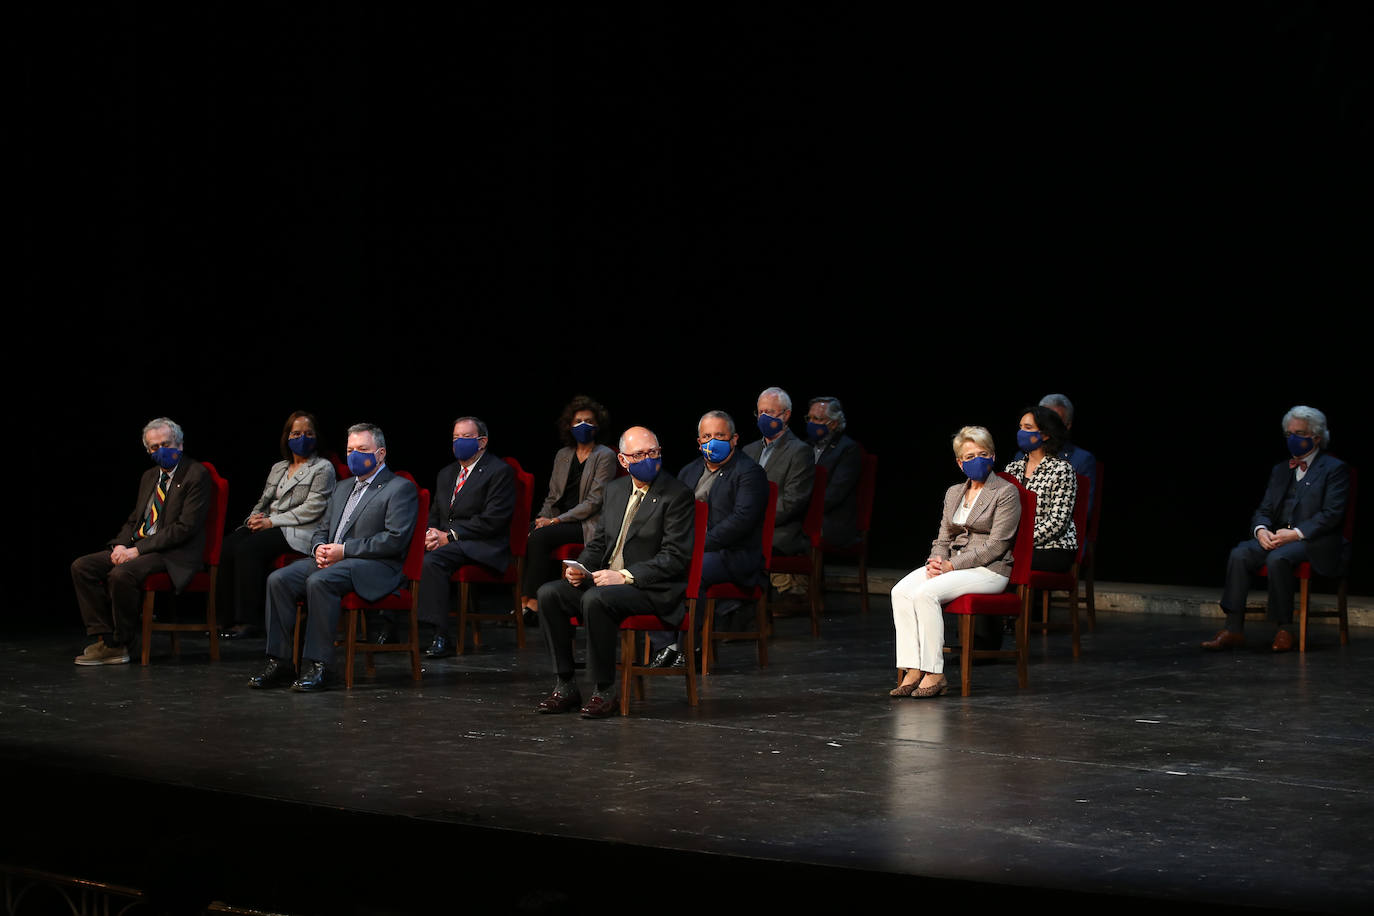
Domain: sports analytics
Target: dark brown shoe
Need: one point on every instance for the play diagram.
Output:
(599, 707)
(560, 701)
(1283, 641)
(1225, 639)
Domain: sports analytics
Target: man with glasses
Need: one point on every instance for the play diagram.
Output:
(843, 462)
(1300, 519)
(165, 532)
(636, 563)
(792, 466)
(359, 546)
(469, 522)
(736, 489)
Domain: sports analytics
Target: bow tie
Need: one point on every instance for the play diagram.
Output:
(1295, 463)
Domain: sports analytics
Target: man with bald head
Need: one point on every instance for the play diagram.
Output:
(637, 562)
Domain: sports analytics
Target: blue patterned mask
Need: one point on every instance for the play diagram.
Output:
(360, 464)
(770, 426)
(816, 431)
(166, 457)
(1028, 440)
(716, 450)
(1300, 445)
(977, 469)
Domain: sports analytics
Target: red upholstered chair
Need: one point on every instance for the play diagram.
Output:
(868, 476)
(728, 591)
(1087, 564)
(1046, 582)
(203, 581)
(1304, 576)
(809, 563)
(1014, 602)
(630, 670)
(404, 600)
(476, 574)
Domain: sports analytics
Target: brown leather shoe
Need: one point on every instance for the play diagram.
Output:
(599, 707)
(560, 701)
(1225, 639)
(1283, 641)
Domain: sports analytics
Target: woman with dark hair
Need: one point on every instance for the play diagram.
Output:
(1054, 483)
(282, 521)
(581, 470)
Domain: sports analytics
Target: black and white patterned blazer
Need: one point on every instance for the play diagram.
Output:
(1055, 485)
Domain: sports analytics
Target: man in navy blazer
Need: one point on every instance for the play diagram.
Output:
(1301, 519)
(469, 522)
(736, 489)
(359, 546)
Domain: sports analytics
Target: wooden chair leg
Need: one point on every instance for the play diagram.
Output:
(965, 654)
(148, 598)
(463, 619)
(863, 577)
(1023, 645)
(296, 640)
(351, 648)
(211, 615)
(1341, 612)
(415, 633)
(691, 651)
(1303, 589)
(708, 644)
(519, 608)
(627, 664)
(761, 627)
(1073, 611)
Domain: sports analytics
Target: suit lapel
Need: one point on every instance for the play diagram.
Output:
(984, 503)
(378, 482)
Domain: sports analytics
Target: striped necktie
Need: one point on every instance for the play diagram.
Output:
(155, 509)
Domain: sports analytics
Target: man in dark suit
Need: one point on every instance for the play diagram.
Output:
(1299, 520)
(638, 563)
(842, 459)
(469, 522)
(360, 546)
(792, 466)
(736, 489)
(165, 532)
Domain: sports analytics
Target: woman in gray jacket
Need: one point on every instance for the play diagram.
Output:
(282, 521)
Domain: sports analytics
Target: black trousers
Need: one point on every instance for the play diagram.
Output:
(540, 566)
(1244, 563)
(245, 561)
(600, 609)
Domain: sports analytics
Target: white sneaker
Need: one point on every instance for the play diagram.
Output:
(100, 654)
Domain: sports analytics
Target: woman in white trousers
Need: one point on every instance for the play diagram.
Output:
(970, 555)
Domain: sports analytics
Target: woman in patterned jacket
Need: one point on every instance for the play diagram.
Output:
(1054, 483)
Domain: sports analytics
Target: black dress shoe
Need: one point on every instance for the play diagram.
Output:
(277, 674)
(561, 701)
(239, 631)
(440, 648)
(312, 678)
(667, 657)
(599, 707)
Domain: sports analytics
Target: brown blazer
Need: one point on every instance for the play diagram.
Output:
(596, 473)
(987, 535)
(180, 535)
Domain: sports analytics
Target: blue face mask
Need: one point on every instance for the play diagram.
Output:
(302, 445)
(166, 457)
(1028, 440)
(977, 469)
(646, 469)
(463, 449)
(817, 431)
(584, 432)
(770, 426)
(716, 450)
(362, 463)
(1300, 445)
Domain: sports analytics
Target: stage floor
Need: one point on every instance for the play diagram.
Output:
(1146, 769)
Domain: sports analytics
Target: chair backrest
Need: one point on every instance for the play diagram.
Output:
(341, 471)
(1080, 515)
(703, 511)
(524, 501)
(1095, 516)
(1024, 545)
(814, 521)
(1348, 531)
(415, 553)
(770, 518)
(868, 476)
(214, 517)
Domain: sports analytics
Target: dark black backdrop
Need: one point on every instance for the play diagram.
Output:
(231, 211)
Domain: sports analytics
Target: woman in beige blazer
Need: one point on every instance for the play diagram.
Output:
(283, 519)
(581, 470)
(970, 555)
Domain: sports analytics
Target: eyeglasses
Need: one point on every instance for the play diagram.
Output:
(298, 434)
(640, 456)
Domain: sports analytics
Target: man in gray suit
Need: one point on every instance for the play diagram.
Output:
(790, 464)
(360, 546)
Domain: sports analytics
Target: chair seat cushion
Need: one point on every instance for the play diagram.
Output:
(1007, 604)
(648, 622)
(476, 574)
(730, 590)
(798, 563)
(1302, 571)
(161, 582)
(398, 601)
(1052, 581)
